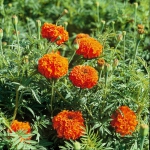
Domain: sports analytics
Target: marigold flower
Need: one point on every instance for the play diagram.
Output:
(23, 126)
(53, 65)
(83, 76)
(69, 124)
(89, 47)
(124, 120)
(54, 33)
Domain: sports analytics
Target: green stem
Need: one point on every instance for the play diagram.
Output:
(100, 74)
(136, 49)
(72, 56)
(52, 97)
(124, 52)
(142, 143)
(116, 48)
(135, 26)
(16, 105)
(89, 111)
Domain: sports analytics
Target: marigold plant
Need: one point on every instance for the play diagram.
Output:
(53, 65)
(17, 125)
(83, 76)
(54, 33)
(124, 120)
(89, 47)
(69, 124)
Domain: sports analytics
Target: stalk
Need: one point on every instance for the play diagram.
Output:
(52, 97)
(16, 104)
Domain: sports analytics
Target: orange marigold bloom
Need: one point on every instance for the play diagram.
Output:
(83, 76)
(89, 47)
(124, 120)
(54, 33)
(17, 125)
(53, 65)
(69, 124)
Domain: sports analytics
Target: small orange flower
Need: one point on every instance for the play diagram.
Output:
(69, 124)
(89, 47)
(53, 65)
(54, 33)
(16, 126)
(83, 76)
(124, 120)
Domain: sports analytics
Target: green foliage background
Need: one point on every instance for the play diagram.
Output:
(124, 84)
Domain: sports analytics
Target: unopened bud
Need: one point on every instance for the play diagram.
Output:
(136, 5)
(101, 63)
(65, 11)
(15, 19)
(113, 22)
(116, 63)
(1, 33)
(77, 145)
(38, 23)
(4, 43)
(119, 37)
(76, 46)
(10, 4)
(103, 21)
(144, 130)
(108, 67)
(124, 32)
(97, 4)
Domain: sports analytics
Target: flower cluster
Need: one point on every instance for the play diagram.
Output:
(53, 65)
(124, 120)
(83, 76)
(24, 126)
(88, 46)
(69, 124)
(54, 33)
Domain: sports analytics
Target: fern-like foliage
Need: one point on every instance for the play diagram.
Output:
(89, 141)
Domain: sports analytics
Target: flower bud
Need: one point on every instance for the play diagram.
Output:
(124, 33)
(144, 130)
(97, 4)
(103, 22)
(76, 46)
(77, 145)
(116, 63)
(15, 19)
(120, 37)
(101, 63)
(38, 23)
(1, 33)
(136, 5)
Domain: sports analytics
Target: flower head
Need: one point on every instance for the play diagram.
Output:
(53, 65)
(23, 126)
(83, 76)
(69, 124)
(89, 47)
(124, 120)
(54, 33)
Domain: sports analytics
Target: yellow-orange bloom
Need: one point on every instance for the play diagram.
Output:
(23, 126)
(81, 35)
(89, 47)
(69, 124)
(54, 33)
(124, 120)
(83, 76)
(53, 65)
